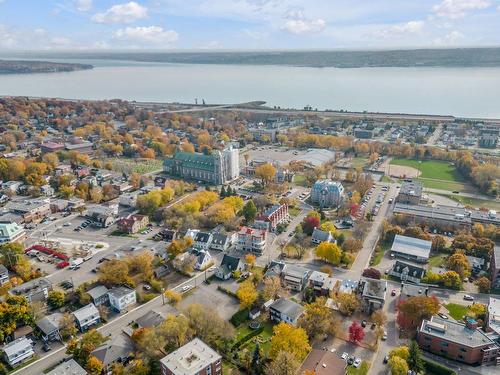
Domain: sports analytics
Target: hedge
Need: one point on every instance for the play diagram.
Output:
(239, 317)
(436, 368)
(247, 337)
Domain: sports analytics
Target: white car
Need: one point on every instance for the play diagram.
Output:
(185, 288)
(357, 362)
(344, 356)
(468, 297)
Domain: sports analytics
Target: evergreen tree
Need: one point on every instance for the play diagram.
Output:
(414, 360)
(223, 192)
(249, 211)
(256, 366)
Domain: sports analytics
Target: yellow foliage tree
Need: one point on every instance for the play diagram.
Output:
(289, 339)
(247, 294)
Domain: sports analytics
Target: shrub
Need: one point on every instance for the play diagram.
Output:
(239, 317)
(436, 368)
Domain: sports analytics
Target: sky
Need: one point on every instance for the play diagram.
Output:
(247, 24)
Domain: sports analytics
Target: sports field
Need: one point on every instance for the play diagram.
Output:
(435, 174)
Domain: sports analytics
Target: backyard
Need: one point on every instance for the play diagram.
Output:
(456, 311)
(263, 338)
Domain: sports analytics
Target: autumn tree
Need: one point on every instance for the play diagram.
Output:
(398, 366)
(247, 294)
(329, 252)
(272, 287)
(413, 310)
(284, 363)
(67, 326)
(379, 318)
(451, 279)
(309, 223)
(289, 339)
(55, 299)
(356, 332)
(175, 330)
(14, 311)
(94, 366)
(459, 263)
(141, 264)
(483, 284)
(115, 272)
(266, 172)
(172, 296)
(348, 303)
(372, 273)
(250, 260)
(81, 349)
(177, 247)
(318, 319)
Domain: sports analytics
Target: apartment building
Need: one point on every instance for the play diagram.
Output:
(194, 358)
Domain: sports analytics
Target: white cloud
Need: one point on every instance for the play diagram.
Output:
(303, 26)
(122, 13)
(456, 9)
(401, 30)
(83, 5)
(150, 35)
(449, 39)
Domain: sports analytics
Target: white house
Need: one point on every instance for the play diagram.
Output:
(228, 265)
(121, 297)
(284, 310)
(87, 317)
(18, 351)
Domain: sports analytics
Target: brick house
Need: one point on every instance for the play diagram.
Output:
(132, 223)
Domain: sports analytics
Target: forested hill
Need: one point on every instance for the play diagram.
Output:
(459, 57)
(26, 67)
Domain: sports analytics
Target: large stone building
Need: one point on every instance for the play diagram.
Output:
(327, 193)
(217, 168)
(194, 358)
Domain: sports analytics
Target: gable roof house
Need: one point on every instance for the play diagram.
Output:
(284, 310)
(121, 297)
(373, 294)
(319, 236)
(202, 240)
(275, 268)
(49, 327)
(151, 319)
(99, 295)
(117, 350)
(33, 290)
(407, 272)
(321, 282)
(295, 277)
(70, 367)
(220, 242)
(228, 265)
(132, 223)
(18, 351)
(87, 317)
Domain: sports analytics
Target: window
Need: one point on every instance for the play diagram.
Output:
(463, 350)
(444, 344)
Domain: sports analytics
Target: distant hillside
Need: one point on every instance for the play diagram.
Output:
(26, 67)
(459, 57)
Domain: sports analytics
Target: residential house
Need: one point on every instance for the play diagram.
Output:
(476, 264)
(4, 274)
(460, 342)
(151, 319)
(86, 317)
(203, 259)
(319, 236)
(49, 327)
(413, 249)
(194, 358)
(121, 297)
(202, 240)
(407, 272)
(321, 283)
(161, 271)
(220, 242)
(372, 293)
(323, 362)
(117, 350)
(294, 277)
(70, 367)
(275, 269)
(12, 186)
(101, 217)
(284, 310)
(99, 295)
(33, 290)
(168, 235)
(272, 217)
(47, 190)
(228, 265)
(18, 351)
(133, 223)
(251, 240)
(129, 199)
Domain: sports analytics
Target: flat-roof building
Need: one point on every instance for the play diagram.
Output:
(410, 192)
(410, 248)
(194, 358)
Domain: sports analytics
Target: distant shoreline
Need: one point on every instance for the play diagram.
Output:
(449, 58)
(32, 67)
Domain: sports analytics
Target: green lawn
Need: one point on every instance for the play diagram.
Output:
(359, 161)
(299, 179)
(436, 174)
(456, 311)
(361, 370)
(433, 169)
(380, 254)
(437, 260)
(293, 211)
(243, 330)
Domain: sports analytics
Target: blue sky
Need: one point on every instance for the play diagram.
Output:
(247, 24)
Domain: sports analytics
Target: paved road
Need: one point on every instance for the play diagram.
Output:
(114, 327)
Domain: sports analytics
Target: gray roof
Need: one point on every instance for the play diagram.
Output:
(455, 332)
(118, 347)
(292, 270)
(321, 235)
(16, 346)
(413, 270)
(411, 246)
(3, 270)
(202, 237)
(97, 291)
(439, 212)
(318, 277)
(70, 367)
(496, 256)
(49, 323)
(120, 291)
(191, 358)
(219, 239)
(275, 268)
(86, 312)
(150, 319)
(413, 188)
(230, 262)
(287, 307)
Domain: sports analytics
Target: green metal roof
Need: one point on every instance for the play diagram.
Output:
(192, 160)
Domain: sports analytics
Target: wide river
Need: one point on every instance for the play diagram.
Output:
(470, 92)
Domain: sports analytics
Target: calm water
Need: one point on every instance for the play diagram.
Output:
(472, 92)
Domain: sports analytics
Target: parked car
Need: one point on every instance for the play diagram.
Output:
(344, 356)
(363, 323)
(393, 292)
(357, 362)
(442, 316)
(386, 359)
(384, 337)
(468, 297)
(46, 347)
(185, 288)
(350, 360)
(147, 287)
